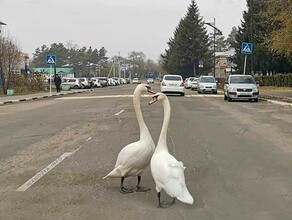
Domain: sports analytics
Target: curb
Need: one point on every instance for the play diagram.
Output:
(277, 102)
(42, 97)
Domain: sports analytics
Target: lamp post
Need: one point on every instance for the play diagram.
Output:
(214, 48)
(1, 23)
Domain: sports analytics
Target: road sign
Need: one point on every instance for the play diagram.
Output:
(201, 64)
(246, 48)
(51, 59)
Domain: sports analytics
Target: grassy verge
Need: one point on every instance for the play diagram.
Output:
(275, 89)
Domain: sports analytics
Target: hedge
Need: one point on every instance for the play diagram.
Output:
(279, 80)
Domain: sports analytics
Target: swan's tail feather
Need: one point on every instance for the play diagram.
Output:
(115, 173)
(186, 197)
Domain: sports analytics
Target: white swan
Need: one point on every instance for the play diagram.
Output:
(135, 157)
(167, 172)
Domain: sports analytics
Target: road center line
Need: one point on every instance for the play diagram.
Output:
(48, 168)
(120, 112)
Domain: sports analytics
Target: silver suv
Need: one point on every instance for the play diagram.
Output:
(241, 87)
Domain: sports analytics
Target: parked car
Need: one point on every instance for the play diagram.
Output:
(136, 81)
(195, 83)
(103, 81)
(150, 80)
(84, 82)
(95, 82)
(116, 80)
(172, 84)
(207, 84)
(188, 82)
(241, 87)
(73, 83)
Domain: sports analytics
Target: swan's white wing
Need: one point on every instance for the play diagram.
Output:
(168, 174)
(132, 159)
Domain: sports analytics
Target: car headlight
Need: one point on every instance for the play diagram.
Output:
(214, 87)
(255, 89)
(233, 89)
(201, 86)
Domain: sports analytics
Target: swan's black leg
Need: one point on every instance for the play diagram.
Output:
(123, 189)
(159, 202)
(173, 202)
(139, 188)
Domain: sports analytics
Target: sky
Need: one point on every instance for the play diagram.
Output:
(118, 25)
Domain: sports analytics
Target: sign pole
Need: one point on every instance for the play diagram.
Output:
(244, 68)
(50, 80)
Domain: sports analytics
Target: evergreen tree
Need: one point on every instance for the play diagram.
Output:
(256, 27)
(189, 45)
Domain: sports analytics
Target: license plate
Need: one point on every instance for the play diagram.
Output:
(173, 84)
(244, 93)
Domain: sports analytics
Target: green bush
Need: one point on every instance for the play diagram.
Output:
(278, 80)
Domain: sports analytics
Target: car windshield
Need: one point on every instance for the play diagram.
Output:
(242, 79)
(72, 80)
(208, 79)
(82, 80)
(173, 78)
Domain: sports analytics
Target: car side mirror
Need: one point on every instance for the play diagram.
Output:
(257, 83)
(226, 82)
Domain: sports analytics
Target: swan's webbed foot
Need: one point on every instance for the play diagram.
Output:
(125, 190)
(163, 205)
(142, 189)
(139, 188)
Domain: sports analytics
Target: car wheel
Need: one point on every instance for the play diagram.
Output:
(76, 87)
(192, 89)
(256, 100)
(215, 92)
(229, 99)
(225, 97)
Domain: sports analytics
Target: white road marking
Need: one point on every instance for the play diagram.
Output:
(47, 169)
(100, 97)
(120, 112)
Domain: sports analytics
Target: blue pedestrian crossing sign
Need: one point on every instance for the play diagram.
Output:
(51, 59)
(246, 48)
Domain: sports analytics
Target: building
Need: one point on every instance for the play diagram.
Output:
(224, 64)
(65, 72)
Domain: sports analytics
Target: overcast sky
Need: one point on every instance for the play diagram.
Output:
(118, 25)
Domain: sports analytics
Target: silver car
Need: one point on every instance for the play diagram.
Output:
(207, 84)
(241, 87)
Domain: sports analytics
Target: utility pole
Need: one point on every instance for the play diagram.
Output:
(119, 63)
(214, 41)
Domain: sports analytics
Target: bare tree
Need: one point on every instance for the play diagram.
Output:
(10, 59)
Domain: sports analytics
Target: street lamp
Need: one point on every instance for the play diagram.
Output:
(1, 23)
(215, 29)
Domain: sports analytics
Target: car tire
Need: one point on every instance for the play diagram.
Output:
(225, 97)
(215, 92)
(229, 99)
(76, 87)
(256, 100)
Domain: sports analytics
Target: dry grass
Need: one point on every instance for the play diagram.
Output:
(275, 89)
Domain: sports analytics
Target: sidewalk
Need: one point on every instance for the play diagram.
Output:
(282, 95)
(22, 98)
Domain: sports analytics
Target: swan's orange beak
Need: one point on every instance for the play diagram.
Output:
(153, 100)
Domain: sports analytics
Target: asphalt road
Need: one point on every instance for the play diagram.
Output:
(238, 157)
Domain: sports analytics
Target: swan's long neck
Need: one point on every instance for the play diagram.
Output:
(144, 132)
(162, 141)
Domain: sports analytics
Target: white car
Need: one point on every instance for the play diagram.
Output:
(188, 82)
(84, 82)
(241, 87)
(73, 83)
(150, 80)
(195, 83)
(95, 82)
(172, 84)
(207, 84)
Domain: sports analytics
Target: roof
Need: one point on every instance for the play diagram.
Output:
(64, 70)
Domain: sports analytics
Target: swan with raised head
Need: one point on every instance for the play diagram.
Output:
(135, 157)
(167, 172)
